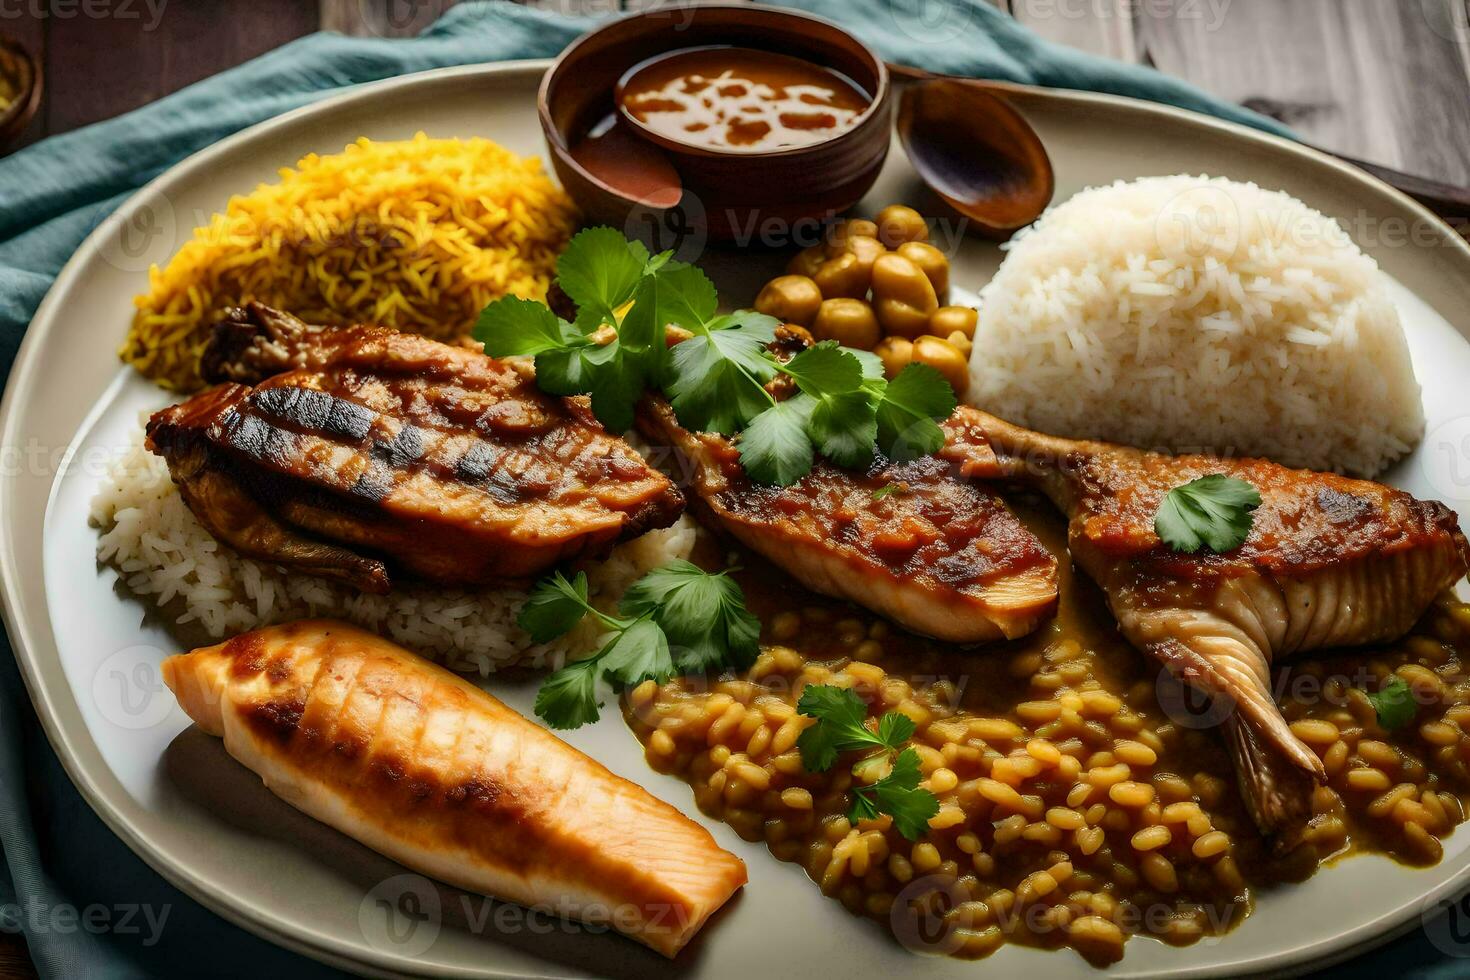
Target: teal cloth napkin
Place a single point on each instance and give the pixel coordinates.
(88, 906)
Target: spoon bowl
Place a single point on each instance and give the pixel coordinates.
(976, 152)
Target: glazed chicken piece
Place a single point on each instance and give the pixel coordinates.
(359, 450)
(433, 772)
(936, 555)
(1329, 562)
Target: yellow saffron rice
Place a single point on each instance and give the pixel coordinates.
(418, 235)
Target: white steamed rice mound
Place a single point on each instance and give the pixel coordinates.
(164, 555)
(1199, 314)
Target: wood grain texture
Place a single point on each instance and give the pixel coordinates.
(1387, 82)
(98, 68)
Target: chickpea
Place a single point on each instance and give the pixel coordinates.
(794, 299)
(943, 357)
(843, 275)
(895, 353)
(903, 297)
(961, 343)
(954, 319)
(867, 251)
(934, 264)
(807, 261)
(848, 321)
(839, 234)
(898, 224)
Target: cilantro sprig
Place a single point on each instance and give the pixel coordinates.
(1394, 704)
(1211, 512)
(842, 727)
(718, 379)
(676, 619)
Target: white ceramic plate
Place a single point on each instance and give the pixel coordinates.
(208, 825)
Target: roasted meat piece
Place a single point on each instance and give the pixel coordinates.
(1329, 562)
(934, 554)
(359, 451)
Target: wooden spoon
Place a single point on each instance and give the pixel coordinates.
(1449, 201)
(975, 151)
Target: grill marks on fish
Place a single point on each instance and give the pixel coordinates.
(1329, 562)
(937, 555)
(450, 464)
(440, 776)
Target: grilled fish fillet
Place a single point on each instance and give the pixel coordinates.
(349, 452)
(431, 771)
(937, 556)
(1330, 562)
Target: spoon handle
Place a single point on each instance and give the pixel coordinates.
(1449, 201)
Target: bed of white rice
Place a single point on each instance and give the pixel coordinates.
(165, 557)
(1191, 313)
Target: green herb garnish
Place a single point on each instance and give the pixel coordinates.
(676, 619)
(842, 727)
(1211, 512)
(898, 795)
(1394, 704)
(717, 379)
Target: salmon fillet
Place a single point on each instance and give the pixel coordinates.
(1329, 562)
(428, 769)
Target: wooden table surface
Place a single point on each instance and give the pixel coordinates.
(1382, 80)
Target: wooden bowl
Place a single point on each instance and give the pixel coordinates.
(17, 64)
(729, 196)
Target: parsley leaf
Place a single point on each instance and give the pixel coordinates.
(908, 408)
(895, 728)
(1394, 704)
(844, 428)
(638, 653)
(680, 619)
(898, 795)
(555, 606)
(573, 370)
(515, 327)
(842, 726)
(686, 296)
(716, 380)
(718, 376)
(842, 423)
(599, 269)
(568, 698)
(775, 448)
(1211, 512)
(703, 616)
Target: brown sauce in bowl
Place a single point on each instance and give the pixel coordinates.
(742, 99)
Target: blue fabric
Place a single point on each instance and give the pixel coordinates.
(57, 853)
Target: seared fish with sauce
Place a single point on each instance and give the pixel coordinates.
(1329, 562)
(936, 555)
(349, 452)
(433, 772)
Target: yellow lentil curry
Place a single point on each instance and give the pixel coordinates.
(1083, 798)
